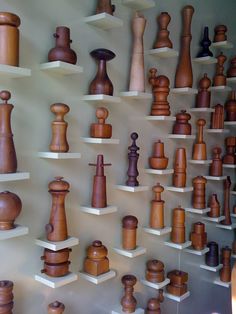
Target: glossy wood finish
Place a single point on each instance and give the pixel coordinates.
(157, 208)
(56, 308)
(56, 270)
(158, 160)
(226, 210)
(153, 305)
(225, 272)
(216, 167)
(205, 44)
(199, 192)
(178, 226)
(128, 301)
(214, 206)
(56, 257)
(219, 78)
(230, 157)
(199, 148)
(105, 6)
(129, 232)
(10, 208)
(212, 256)
(198, 236)
(217, 117)
(101, 129)
(232, 68)
(230, 107)
(182, 125)
(6, 296)
(203, 98)
(178, 282)
(155, 271)
(180, 166)
(163, 39)
(96, 262)
(133, 157)
(220, 33)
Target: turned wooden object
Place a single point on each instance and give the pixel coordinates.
(178, 226)
(198, 236)
(96, 262)
(56, 270)
(199, 148)
(129, 232)
(9, 38)
(230, 157)
(163, 39)
(184, 73)
(99, 194)
(205, 44)
(182, 125)
(230, 107)
(10, 208)
(225, 272)
(157, 208)
(128, 301)
(59, 126)
(155, 271)
(212, 256)
(233, 289)
(56, 257)
(158, 159)
(220, 33)
(56, 308)
(226, 209)
(105, 6)
(153, 305)
(180, 165)
(8, 160)
(234, 247)
(199, 192)
(160, 90)
(216, 167)
(214, 206)
(133, 157)
(219, 78)
(232, 68)
(101, 84)
(101, 129)
(56, 229)
(137, 71)
(6, 295)
(217, 117)
(178, 282)
(203, 98)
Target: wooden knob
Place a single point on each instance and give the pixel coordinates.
(7, 18)
(102, 114)
(204, 82)
(129, 280)
(58, 184)
(201, 122)
(155, 265)
(49, 228)
(130, 222)
(134, 136)
(5, 95)
(158, 188)
(216, 150)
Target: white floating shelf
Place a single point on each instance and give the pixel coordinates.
(222, 88)
(227, 227)
(158, 232)
(233, 215)
(99, 211)
(210, 268)
(104, 21)
(136, 95)
(160, 172)
(223, 44)
(164, 52)
(201, 110)
(56, 282)
(178, 246)
(14, 176)
(155, 285)
(230, 123)
(214, 178)
(229, 166)
(205, 60)
(184, 91)
(160, 118)
(139, 4)
(198, 211)
(214, 219)
(217, 131)
(98, 279)
(218, 282)
(196, 252)
(180, 190)
(93, 140)
(176, 298)
(10, 71)
(233, 192)
(200, 162)
(51, 155)
(101, 98)
(181, 136)
(56, 246)
(131, 253)
(60, 67)
(12, 233)
(118, 310)
(231, 79)
(133, 189)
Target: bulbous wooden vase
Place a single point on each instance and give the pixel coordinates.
(10, 208)
(56, 308)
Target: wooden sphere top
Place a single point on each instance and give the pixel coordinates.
(221, 28)
(183, 115)
(216, 151)
(134, 136)
(102, 54)
(158, 188)
(201, 122)
(6, 285)
(155, 265)
(129, 280)
(7, 18)
(199, 180)
(5, 95)
(97, 250)
(56, 305)
(130, 222)
(221, 58)
(204, 82)
(9, 200)
(58, 185)
(59, 108)
(164, 19)
(102, 113)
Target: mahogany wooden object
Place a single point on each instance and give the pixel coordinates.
(105, 6)
(234, 247)
(178, 226)
(232, 68)
(9, 38)
(128, 301)
(184, 73)
(182, 125)
(178, 282)
(205, 44)
(199, 148)
(220, 33)
(155, 271)
(160, 90)
(59, 126)
(6, 297)
(226, 209)
(62, 50)
(157, 208)
(180, 165)
(217, 117)
(101, 129)
(203, 97)
(199, 192)
(8, 160)
(153, 305)
(56, 270)
(219, 78)
(212, 256)
(10, 208)
(56, 308)
(56, 229)
(158, 160)
(56, 257)
(163, 39)
(133, 157)
(137, 71)
(96, 262)
(101, 84)
(216, 167)
(230, 107)
(129, 232)
(225, 272)
(230, 157)
(99, 195)
(198, 236)
(214, 206)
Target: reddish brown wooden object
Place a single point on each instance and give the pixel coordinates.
(153, 305)
(158, 159)
(219, 78)
(216, 167)
(101, 129)
(220, 33)
(56, 270)
(163, 39)
(230, 157)
(129, 232)
(180, 165)
(198, 236)
(157, 208)
(56, 308)
(128, 301)
(199, 192)
(217, 117)
(203, 98)
(182, 126)
(155, 271)
(232, 68)
(226, 210)
(212, 257)
(96, 262)
(133, 157)
(178, 282)
(6, 297)
(230, 107)
(234, 247)
(199, 148)
(225, 272)
(105, 6)
(215, 207)
(10, 208)
(56, 257)
(178, 225)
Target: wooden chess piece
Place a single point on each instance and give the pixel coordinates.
(230, 157)
(56, 308)
(217, 117)
(226, 211)
(199, 148)
(158, 159)
(6, 297)
(225, 272)
(219, 78)
(153, 305)
(56, 257)
(59, 126)
(163, 39)
(155, 271)
(220, 33)
(212, 256)
(205, 44)
(157, 208)
(199, 192)
(178, 282)
(8, 160)
(9, 38)
(101, 84)
(99, 196)
(230, 107)
(184, 73)
(216, 167)
(203, 98)
(10, 208)
(178, 226)
(101, 129)
(214, 206)
(62, 50)
(181, 125)
(198, 236)
(56, 270)
(56, 229)
(133, 157)
(96, 262)
(232, 68)
(105, 6)
(129, 232)
(160, 90)
(128, 301)
(180, 165)
(137, 72)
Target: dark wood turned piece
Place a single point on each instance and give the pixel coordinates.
(220, 33)
(178, 226)
(226, 209)
(128, 301)
(96, 262)
(230, 107)
(216, 167)
(129, 232)
(6, 296)
(181, 125)
(180, 166)
(10, 209)
(199, 148)
(217, 117)
(56, 270)
(205, 44)
(163, 39)
(105, 6)
(234, 247)
(101, 129)
(230, 157)
(153, 305)
(133, 157)
(155, 271)
(203, 97)
(212, 256)
(158, 159)
(157, 208)
(199, 192)
(198, 236)
(225, 272)
(56, 308)
(232, 68)
(178, 282)
(219, 78)
(56, 257)
(215, 207)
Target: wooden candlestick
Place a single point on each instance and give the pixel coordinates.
(101, 129)
(214, 206)
(163, 39)
(205, 44)
(226, 210)
(225, 272)
(6, 297)
(199, 192)
(182, 126)
(155, 271)
(178, 225)
(203, 98)
(96, 262)
(230, 157)
(105, 6)
(158, 159)
(133, 157)
(217, 117)
(230, 107)
(180, 165)
(153, 305)
(212, 256)
(216, 167)
(219, 78)
(157, 208)
(129, 232)
(198, 236)
(232, 68)
(220, 33)
(10, 208)
(178, 282)
(56, 308)
(199, 148)
(128, 301)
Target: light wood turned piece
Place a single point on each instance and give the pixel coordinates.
(10, 208)
(6, 297)
(129, 232)
(180, 166)
(198, 236)
(9, 38)
(226, 209)
(158, 159)
(160, 90)
(216, 167)
(178, 282)
(199, 192)
(178, 226)
(230, 107)
(101, 129)
(234, 247)
(199, 148)
(214, 206)
(128, 301)
(205, 44)
(181, 125)
(59, 126)
(56, 257)
(155, 271)
(56, 229)
(133, 157)
(56, 270)
(225, 272)
(56, 308)
(105, 6)
(163, 39)
(96, 262)
(220, 33)
(217, 117)
(203, 97)
(154, 304)
(230, 157)
(212, 256)
(219, 78)
(232, 68)
(157, 208)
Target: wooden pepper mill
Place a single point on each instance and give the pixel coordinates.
(157, 208)
(216, 167)
(163, 39)
(158, 159)
(181, 125)
(219, 78)
(184, 73)
(178, 282)
(128, 301)
(155, 271)
(220, 33)
(205, 44)
(9, 38)
(199, 148)
(180, 165)
(217, 117)
(8, 160)
(214, 206)
(101, 129)
(203, 98)
(59, 126)
(230, 157)
(99, 195)
(198, 236)
(232, 68)
(96, 262)
(226, 211)
(129, 232)
(160, 90)
(6, 297)
(212, 256)
(230, 107)
(153, 305)
(56, 308)
(10, 208)
(178, 225)
(105, 6)
(133, 157)
(57, 228)
(199, 192)
(225, 272)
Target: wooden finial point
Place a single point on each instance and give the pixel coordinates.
(5, 95)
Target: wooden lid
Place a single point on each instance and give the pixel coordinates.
(56, 305)
(155, 265)
(199, 227)
(220, 28)
(199, 180)
(129, 280)
(97, 250)
(183, 115)
(58, 185)
(7, 18)
(130, 222)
